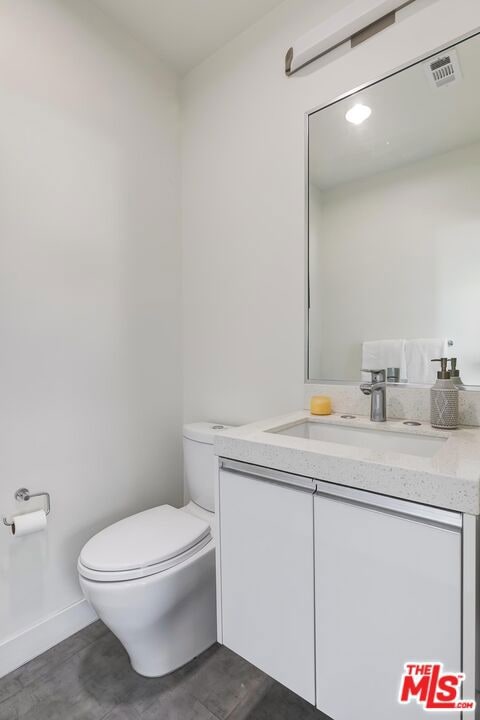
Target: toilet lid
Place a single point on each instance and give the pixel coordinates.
(148, 538)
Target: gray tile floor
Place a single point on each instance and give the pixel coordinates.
(88, 677)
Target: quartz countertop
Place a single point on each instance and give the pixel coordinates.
(450, 479)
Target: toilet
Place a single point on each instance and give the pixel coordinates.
(151, 576)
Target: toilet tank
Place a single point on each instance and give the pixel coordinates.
(199, 462)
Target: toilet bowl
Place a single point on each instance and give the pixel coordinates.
(151, 577)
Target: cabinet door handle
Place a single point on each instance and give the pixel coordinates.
(278, 477)
(391, 506)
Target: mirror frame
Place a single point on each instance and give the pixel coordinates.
(313, 111)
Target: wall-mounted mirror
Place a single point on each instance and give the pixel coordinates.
(394, 224)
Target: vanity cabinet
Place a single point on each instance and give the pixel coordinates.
(387, 591)
(267, 582)
(331, 590)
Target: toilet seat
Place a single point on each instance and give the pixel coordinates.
(143, 544)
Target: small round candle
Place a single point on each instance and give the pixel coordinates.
(320, 405)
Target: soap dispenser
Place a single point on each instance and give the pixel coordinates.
(455, 373)
(444, 399)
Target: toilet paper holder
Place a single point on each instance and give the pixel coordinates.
(24, 495)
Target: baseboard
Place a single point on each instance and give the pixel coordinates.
(35, 640)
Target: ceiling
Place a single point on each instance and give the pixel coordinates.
(184, 32)
(411, 120)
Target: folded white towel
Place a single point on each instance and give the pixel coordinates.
(382, 354)
(419, 354)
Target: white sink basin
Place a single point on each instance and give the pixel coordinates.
(383, 440)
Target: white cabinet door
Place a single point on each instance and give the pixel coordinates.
(388, 591)
(266, 543)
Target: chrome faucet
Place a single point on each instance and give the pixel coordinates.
(377, 388)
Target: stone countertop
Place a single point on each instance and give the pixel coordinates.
(450, 479)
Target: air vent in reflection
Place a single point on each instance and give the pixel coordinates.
(443, 69)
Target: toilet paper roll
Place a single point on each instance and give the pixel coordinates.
(29, 523)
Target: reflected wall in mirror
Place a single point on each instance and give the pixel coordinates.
(394, 224)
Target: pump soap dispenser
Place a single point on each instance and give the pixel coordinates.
(444, 399)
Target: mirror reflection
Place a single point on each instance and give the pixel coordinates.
(394, 225)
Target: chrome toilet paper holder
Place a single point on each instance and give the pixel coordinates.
(24, 495)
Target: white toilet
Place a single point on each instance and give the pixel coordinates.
(151, 576)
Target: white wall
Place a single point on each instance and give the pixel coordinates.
(396, 255)
(243, 200)
(90, 376)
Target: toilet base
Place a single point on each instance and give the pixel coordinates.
(164, 620)
(146, 672)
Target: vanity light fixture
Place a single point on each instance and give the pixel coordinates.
(358, 114)
(355, 23)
